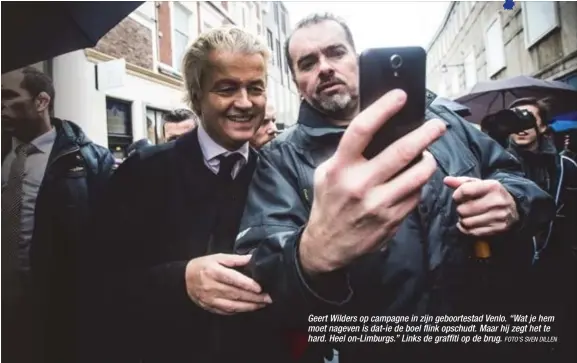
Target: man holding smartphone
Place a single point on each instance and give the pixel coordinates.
(399, 241)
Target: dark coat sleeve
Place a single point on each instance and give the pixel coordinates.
(128, 289)
(536, 208)
(275, 216)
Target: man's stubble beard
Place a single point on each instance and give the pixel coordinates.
(338, 106)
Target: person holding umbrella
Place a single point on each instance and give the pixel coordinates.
(491, 96)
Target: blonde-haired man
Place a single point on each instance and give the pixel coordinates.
(175, 211)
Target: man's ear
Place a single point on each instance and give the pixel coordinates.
(542, 127)
(42, 102)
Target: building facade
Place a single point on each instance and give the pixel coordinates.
(152, 41)
(480, 41)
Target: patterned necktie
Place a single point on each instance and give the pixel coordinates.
(12, 207)
(227, 164)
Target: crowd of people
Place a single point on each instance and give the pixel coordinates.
(217, 245)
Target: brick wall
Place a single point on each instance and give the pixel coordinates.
(129, 40)
(165, 41)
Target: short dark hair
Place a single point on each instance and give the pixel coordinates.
(178, 115)
(36, 82)
(137, 145)
(543, 106)
(313, 19)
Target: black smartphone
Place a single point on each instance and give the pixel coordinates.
(384, 69)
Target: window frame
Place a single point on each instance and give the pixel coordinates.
(122, 140)
(177, 64)
(529, 43)
(158, 127)
(495, 20)
(474, 68)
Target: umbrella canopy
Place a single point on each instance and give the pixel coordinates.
(563, 126)
(491, 96)
(456, 107)
(39, 30)
(572, 116)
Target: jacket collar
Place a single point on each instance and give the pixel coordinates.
(546, 147)
(315, 124)
(189, 148)
(69, 138)
(190, 161)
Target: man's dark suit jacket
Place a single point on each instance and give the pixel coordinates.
(160, 212)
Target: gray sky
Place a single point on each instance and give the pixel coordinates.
(380, 24)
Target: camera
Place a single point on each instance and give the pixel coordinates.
(396, 61)
(503, 123)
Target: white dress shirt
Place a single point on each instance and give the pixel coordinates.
(211, 151)
(35, 167)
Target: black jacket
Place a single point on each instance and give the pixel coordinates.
(557, 175)
(551, 287)
(424, 270)
(75, 176)
(160, 212)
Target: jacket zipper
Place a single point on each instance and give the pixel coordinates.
(71, 151)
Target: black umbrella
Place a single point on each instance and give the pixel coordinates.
(456, 107)
(489, 97)
(36, 31)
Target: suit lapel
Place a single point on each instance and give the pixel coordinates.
(190, 168)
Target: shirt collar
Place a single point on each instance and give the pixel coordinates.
(43, 142)
(211, 149)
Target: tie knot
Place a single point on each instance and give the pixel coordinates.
(227, 163)
(26, 149)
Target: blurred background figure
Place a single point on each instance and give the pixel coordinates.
(137, 145)
(131, 149)
(52, 177)
(178, 122)
(550, 285)
(267, 131)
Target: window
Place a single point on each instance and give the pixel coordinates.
(284, 22)
(271, 91)
(442, 89)
(495, 49)
(459, 16)
(119, 124)
(253, 22)
(118, 117)
(154, 125)
(270, 43)
(276, 12)
(286, 65)
(244, 17)
(455, 85)
(470, 70)
(181, 23)
(278, 55)
(539, 19)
